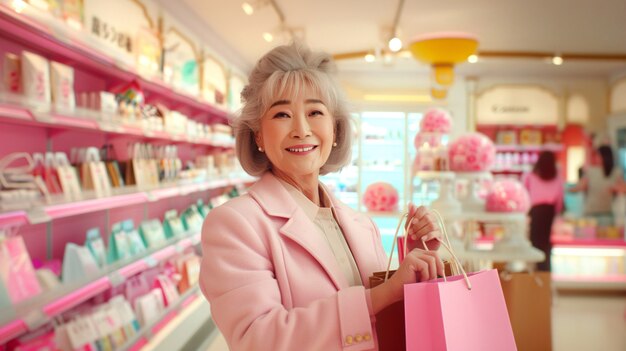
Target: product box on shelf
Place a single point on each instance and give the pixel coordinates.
(62, 80)
(17, 275)
(36, 77)
(12, 73)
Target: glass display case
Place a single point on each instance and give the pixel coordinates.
(383, 151)
(345, 183)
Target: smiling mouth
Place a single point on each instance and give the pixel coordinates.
(301, 149)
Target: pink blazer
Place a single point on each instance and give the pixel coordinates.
(273, 282)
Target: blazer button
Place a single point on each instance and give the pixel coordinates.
(349, 339)
(367, 337)
(358, 338)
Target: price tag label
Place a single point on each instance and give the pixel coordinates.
(35, 319)
(151, 261)
(116, 279)
(38, 215)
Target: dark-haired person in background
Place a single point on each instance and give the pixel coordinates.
(546, 198)
(600, 180)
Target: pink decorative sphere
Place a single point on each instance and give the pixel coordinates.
(436, 120)
(380, 196)
(507, 195)
(472, 152)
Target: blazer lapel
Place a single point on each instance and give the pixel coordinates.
(276, 201)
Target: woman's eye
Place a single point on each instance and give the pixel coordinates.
(281, 115)
(316, 113)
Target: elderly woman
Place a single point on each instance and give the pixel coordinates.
(286, 266)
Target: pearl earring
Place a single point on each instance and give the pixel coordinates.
(334, 144)
(260, 149)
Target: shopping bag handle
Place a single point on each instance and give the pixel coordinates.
(393, 244)
(446, 245)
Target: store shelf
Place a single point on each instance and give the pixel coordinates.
(75, 295)
(529, 148)
(176, 325)
(80, 119)
(65, 44)
(492, 216)
(382, 142)
(46, 213)
(607, 282)
(434, 175)
(576, 242)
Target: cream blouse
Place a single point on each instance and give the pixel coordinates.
(325, 220)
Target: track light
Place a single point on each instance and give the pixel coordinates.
(247, 8)
(557, 60)
(472, 59)
(18, 5)
(370, 57)
(268, 37)
(395, 44)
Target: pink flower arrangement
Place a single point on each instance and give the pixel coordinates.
(472, 152)
(436, 120)
(381, 196)
(507, 195)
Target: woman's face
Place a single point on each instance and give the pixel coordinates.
(297, 134)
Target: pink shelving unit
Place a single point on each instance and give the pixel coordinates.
(38, 37)
(97, 286)
(27, 127)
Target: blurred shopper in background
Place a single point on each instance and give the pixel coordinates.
(545, 188)
(600, 180)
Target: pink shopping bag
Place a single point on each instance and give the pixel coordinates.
(443, 315)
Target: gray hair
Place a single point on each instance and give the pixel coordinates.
(290, 69)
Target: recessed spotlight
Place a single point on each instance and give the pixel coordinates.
(268, 37)
(247, 8)
(557, 60)
(18, 5)
(370, 58)
(395, 44)
(472, 59)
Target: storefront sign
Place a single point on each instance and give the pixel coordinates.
(104, 21)
(517, 105)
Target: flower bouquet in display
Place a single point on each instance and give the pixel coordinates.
(381, 196)
(472, 156)
(431, 141)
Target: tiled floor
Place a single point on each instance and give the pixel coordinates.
(582, 323)
(579, 323)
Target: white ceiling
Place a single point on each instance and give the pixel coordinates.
(339, 26)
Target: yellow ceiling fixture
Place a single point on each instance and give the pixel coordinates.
(442, 51)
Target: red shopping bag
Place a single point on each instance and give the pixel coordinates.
(458, 314)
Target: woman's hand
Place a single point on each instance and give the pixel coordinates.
(417, 266)
(422, 225)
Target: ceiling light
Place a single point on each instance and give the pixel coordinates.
(18, 5)
(557, 60)
(442, 51)
(395, 44)
(472, 59)
(247, 8)
(370, 58)
(268, 37)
